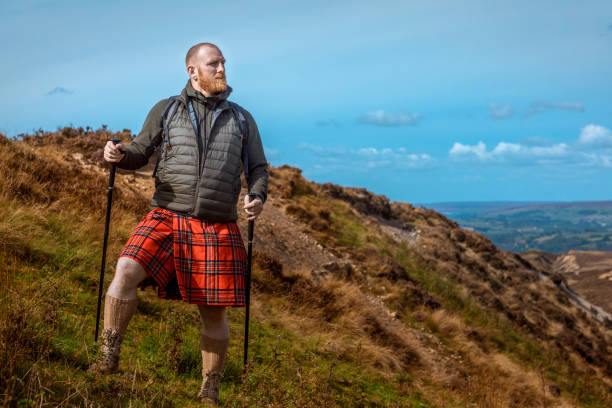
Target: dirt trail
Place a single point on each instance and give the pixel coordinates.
(282, 238)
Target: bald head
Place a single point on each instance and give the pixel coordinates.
(195, 50)
(206, 68)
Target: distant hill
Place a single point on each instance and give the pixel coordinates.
(589, 273)
(357, 301)
(553, 227)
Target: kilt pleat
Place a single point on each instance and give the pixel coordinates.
(189, 259)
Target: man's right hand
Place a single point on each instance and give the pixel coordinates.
(113, 152)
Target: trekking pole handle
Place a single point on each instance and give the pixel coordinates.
(251, 223)
(111, 179)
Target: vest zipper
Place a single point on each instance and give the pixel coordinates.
(194, 125)
(202, 141)
(216, 114)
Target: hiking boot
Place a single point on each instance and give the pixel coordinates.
(108, 362)
(209, 392)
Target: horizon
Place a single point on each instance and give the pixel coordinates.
(424, 103)
(515, 202)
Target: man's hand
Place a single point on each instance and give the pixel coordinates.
(113, 152)
(252, 206)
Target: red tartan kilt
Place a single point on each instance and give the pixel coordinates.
(189, 259)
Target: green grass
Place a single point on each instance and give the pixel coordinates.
(49, 277)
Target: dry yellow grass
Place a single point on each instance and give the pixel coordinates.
(429, 315)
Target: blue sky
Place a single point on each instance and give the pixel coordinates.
(420, 101)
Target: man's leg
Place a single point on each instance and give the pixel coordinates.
(214, 341)
(119, 306)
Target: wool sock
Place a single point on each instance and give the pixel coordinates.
(214, 352)
(118, 312)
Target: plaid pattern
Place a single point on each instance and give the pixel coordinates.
(189, 259)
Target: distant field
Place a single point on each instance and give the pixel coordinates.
(546, 226)
(590, 274)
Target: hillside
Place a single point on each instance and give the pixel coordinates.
(357, 301)
(545, 226)
(588, 273)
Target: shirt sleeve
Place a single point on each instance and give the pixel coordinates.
(137, 154)
(258, 166)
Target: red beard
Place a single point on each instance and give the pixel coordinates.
(212, 85)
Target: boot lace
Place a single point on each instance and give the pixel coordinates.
(210, 386)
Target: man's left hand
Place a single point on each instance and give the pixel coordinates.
(252, 206)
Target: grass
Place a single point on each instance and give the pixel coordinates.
(311, 344)
(348, 229)
(46, 341)
(499, 334)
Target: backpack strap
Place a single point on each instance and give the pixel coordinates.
(196, 126)
(167, 115)
(244, 133)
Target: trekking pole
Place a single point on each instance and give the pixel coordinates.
(111, 183)
(248, 292)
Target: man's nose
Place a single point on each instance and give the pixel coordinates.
(221, 67)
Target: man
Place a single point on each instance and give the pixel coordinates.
(189, 243)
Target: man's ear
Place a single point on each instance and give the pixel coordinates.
(191, 71)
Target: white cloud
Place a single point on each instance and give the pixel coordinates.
(375, 158)
(497, 111)
(341, 158)
(386, 119)
(505, 152)
(543, 106)
(460, 150)
(543, 151)
(323, 151)
(594, 136)
(599, 160)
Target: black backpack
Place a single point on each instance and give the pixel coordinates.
(168, 114)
